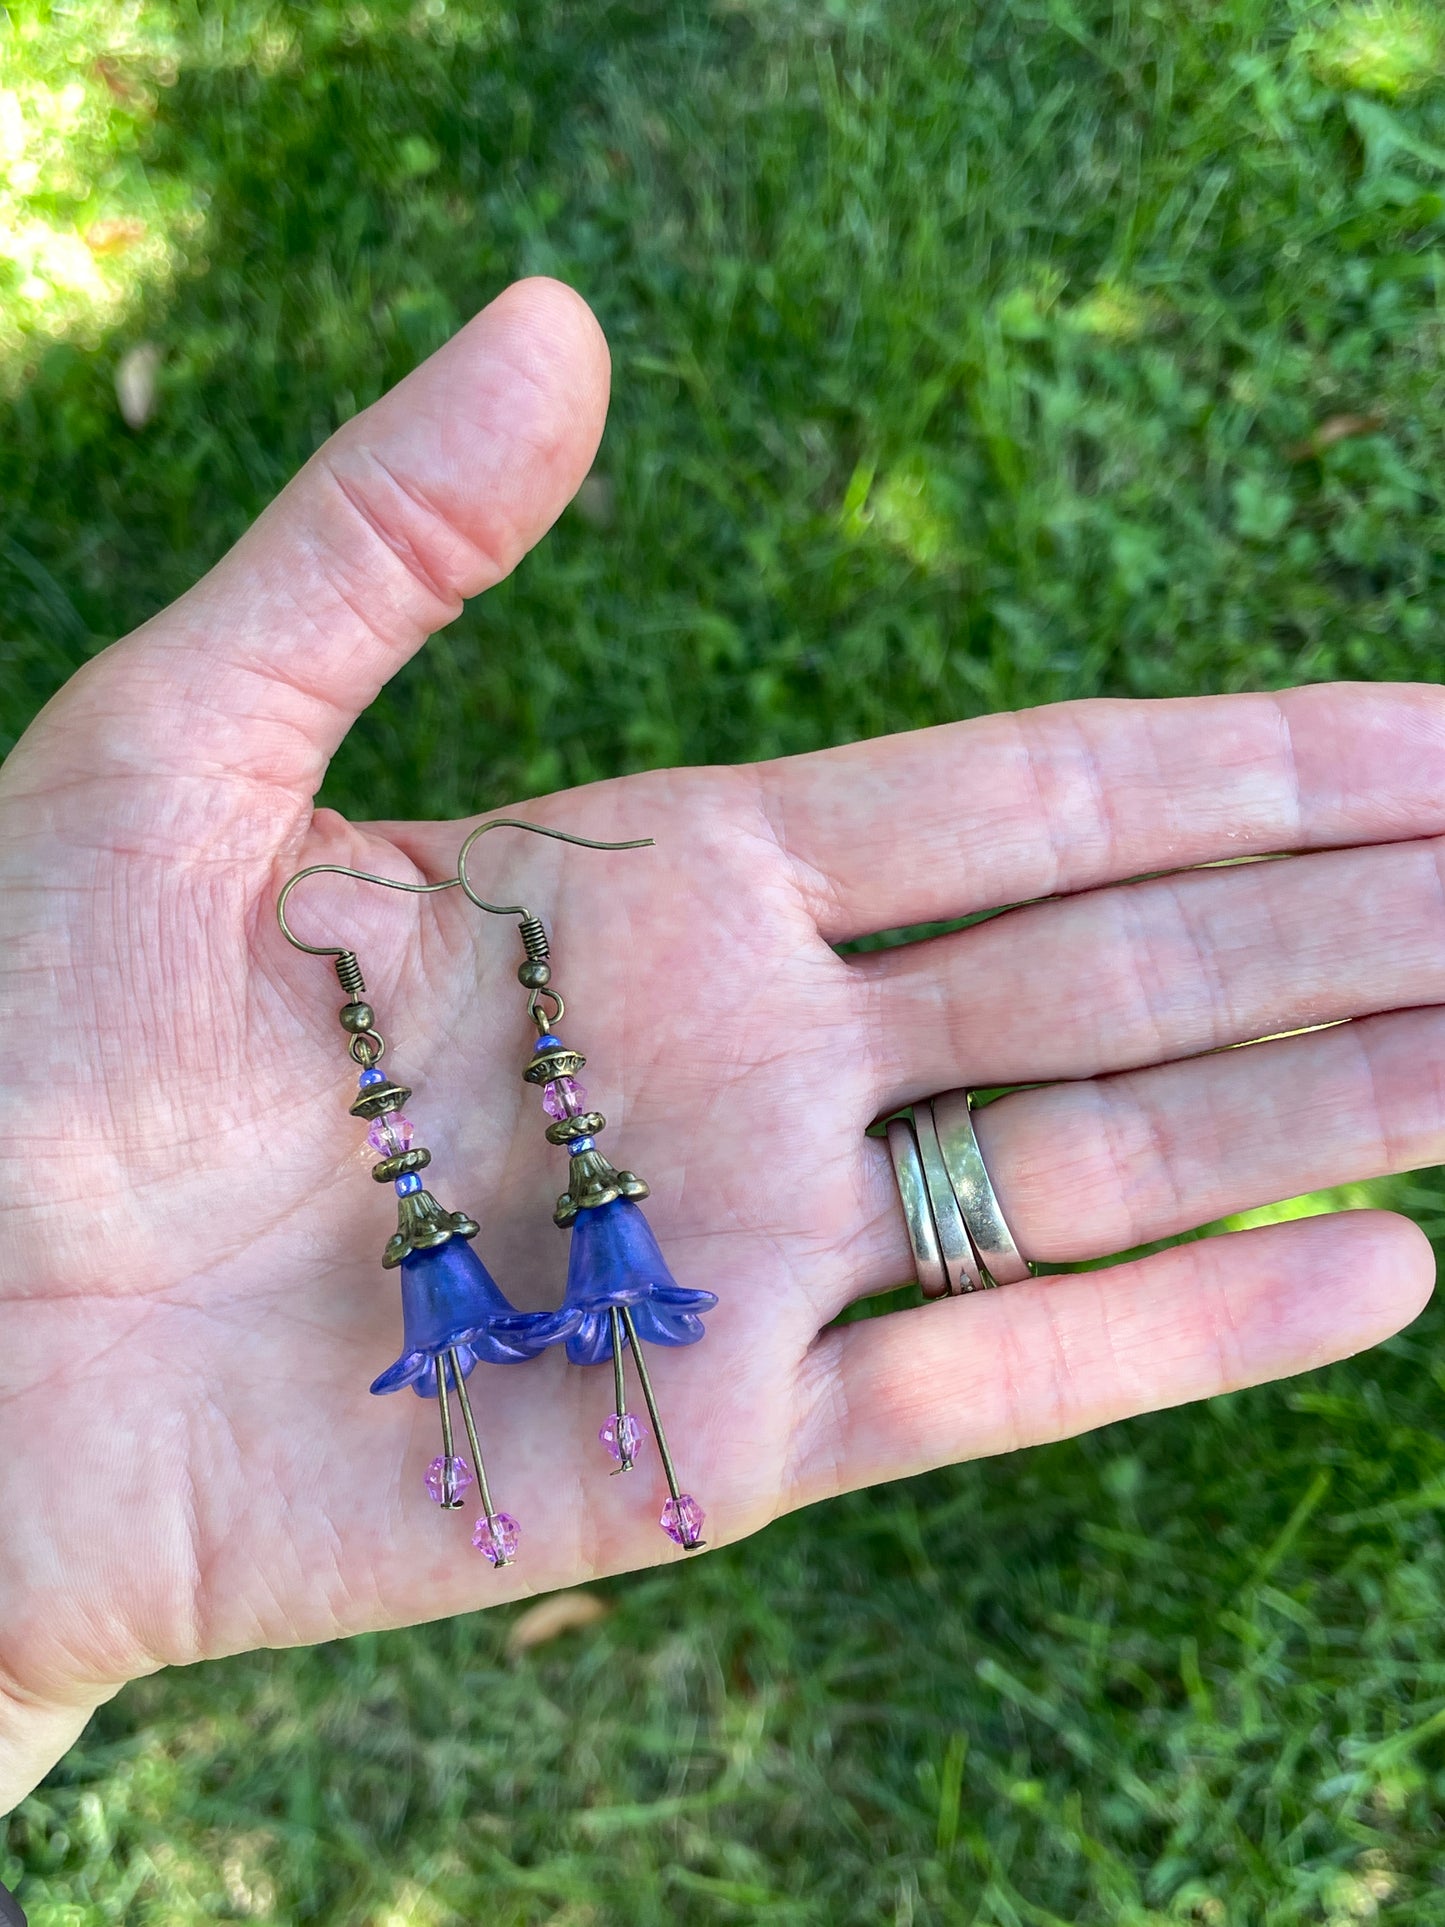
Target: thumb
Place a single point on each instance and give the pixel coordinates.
(431, 495)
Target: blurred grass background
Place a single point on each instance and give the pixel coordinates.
(967, 356)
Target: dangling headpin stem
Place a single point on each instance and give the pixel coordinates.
(621, 1434)
(685, 1512)
(496, 1533)
(619, 1288)
(450, 1495)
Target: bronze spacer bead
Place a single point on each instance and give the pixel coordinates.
(357, 1016)
(534, 974)
(400, 1163)
(588, 1124)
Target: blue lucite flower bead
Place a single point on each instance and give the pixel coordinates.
(449, 1298)
(615, 1261)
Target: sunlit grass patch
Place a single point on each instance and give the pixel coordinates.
(92, 219)
(84, 224)
(906, 507)
(1115, 312)
(1379, 1194)
(1390, 47)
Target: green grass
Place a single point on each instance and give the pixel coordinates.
(966, 355)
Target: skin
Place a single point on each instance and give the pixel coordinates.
(192, 1300)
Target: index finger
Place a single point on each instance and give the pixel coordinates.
(970, 816)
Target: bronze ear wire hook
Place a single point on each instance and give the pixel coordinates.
(537, 829)
(535, 972)
(447, 883)
(348, 970)
(534, 936)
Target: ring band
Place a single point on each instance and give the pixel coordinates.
(960, 1260)
(956, 1227)
(917, 1211)
(977, 1200)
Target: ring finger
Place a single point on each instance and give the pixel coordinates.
(1101, 1165)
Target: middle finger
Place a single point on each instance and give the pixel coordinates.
(1148, 972)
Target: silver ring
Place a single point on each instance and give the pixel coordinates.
(973, 1189)
(960, 1260)
(917, 1211)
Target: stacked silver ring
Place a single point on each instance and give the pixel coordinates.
(960, 1239)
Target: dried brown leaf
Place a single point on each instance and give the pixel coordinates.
(1334, 428)
(560, 1612)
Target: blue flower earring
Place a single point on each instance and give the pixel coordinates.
(454, 1315)
(620, 1292)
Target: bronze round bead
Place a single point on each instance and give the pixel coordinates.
(357, 1017)
(534, 974)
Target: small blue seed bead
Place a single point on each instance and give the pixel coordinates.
(407, 1183)
(580, 1144)
(369, 1078)
(546, 1042)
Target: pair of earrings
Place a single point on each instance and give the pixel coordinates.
(619, 1293)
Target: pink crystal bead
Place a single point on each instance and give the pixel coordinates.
(496, 1538)
(390, 1134)
(622, 1435)
(448, 1479)
(563, 1097)
(682, 1519)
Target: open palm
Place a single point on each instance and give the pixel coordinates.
(191, 1303)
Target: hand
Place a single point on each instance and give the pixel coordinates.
(191, 1303)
